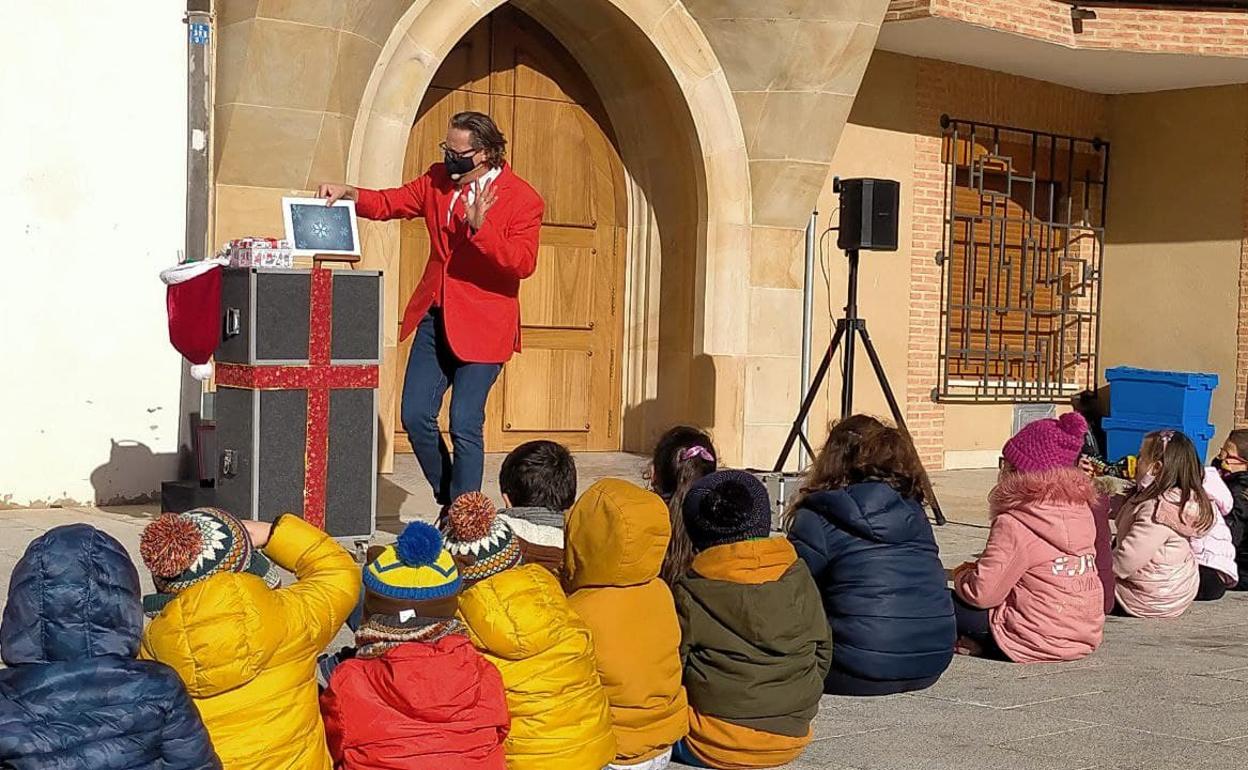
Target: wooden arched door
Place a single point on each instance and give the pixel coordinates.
(565, 385)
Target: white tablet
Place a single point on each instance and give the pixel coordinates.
(315, 229)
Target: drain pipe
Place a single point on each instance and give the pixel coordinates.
(808, 317)
(199, 69)
(198, 125)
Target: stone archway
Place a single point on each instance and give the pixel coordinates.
(682, 143)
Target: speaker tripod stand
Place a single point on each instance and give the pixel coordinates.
(848, 329)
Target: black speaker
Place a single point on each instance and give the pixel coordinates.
(868, 214)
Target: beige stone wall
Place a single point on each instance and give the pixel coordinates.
(794, 67)
(1175, 234)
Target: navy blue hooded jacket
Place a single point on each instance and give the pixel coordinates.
(874, 557)
(74, 696)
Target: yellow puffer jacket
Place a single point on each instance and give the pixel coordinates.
(521, 622)
(248, 653)
(616, 537)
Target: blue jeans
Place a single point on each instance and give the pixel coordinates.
(431, 369)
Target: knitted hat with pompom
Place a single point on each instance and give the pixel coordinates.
(184, 549)
(416, 568)
(481, 542)
(1046, 444)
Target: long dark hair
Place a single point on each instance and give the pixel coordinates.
(1180, 469)
(682, 456)
(861, 448)
(485, 135)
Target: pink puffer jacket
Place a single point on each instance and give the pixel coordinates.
(1037, 575)
(1216, 550)
(1153, 561)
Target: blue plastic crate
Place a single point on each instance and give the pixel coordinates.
(1123, 436)
(1171, 399)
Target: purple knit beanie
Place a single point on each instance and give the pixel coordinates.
(1046, 444)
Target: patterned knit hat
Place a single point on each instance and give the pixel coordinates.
(482, 544)
(415, 569)
(727, 507)
(1046, 444)
(185, 549)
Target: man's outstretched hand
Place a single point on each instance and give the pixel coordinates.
(484, 201)
(336, 192)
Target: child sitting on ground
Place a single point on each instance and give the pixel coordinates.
(1215, 550)
(682, 456)
(616, 538)
(1102, 512)
(73, 696)
(520, 620)
(754, 639)
(860, 527)
(1233, 467)
(1033, 595)
(1153, 560)
(246, 650)
(538, 482)
(416, 694)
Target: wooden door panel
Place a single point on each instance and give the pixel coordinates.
(467, 66)
(561, 292)
(547, 131)
(548, 390)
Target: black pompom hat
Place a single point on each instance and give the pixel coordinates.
(727, 507)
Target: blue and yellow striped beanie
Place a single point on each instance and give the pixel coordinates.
(416, 568)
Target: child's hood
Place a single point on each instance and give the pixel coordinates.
(1219, 494)
(1184, 519)
(73, 595)
(220, 634)
(516, 614)
(872, 511)
(430, 682)
(617, 535)
(1055, 505)
(754, 588)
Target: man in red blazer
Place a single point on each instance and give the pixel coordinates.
(484, 223)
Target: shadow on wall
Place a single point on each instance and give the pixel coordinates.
(133, 474)
(685, 397)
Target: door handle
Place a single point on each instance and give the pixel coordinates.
(233, 322)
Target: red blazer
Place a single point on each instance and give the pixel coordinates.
(475, 276)
(438, 706)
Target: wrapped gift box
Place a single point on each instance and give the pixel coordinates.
(259, 252)
(296, 405)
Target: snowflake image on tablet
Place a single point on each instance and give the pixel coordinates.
(321, 228)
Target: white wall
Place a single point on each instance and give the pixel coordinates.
(93, 172)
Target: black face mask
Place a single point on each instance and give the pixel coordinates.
(457, 165)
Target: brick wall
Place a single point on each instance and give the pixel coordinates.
(1214, 33)
(1241, 350)
(900, 10)
(926, 418)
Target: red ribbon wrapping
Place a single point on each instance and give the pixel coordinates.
(318, 377)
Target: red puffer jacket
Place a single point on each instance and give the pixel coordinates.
(436, 706)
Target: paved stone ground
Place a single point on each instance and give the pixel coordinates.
(1158, 695)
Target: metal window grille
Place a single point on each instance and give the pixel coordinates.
(1024, 231)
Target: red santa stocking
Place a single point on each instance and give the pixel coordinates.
(194, 299)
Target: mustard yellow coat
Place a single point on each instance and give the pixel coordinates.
(616, 536)
(521, 622)
(247, 653)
